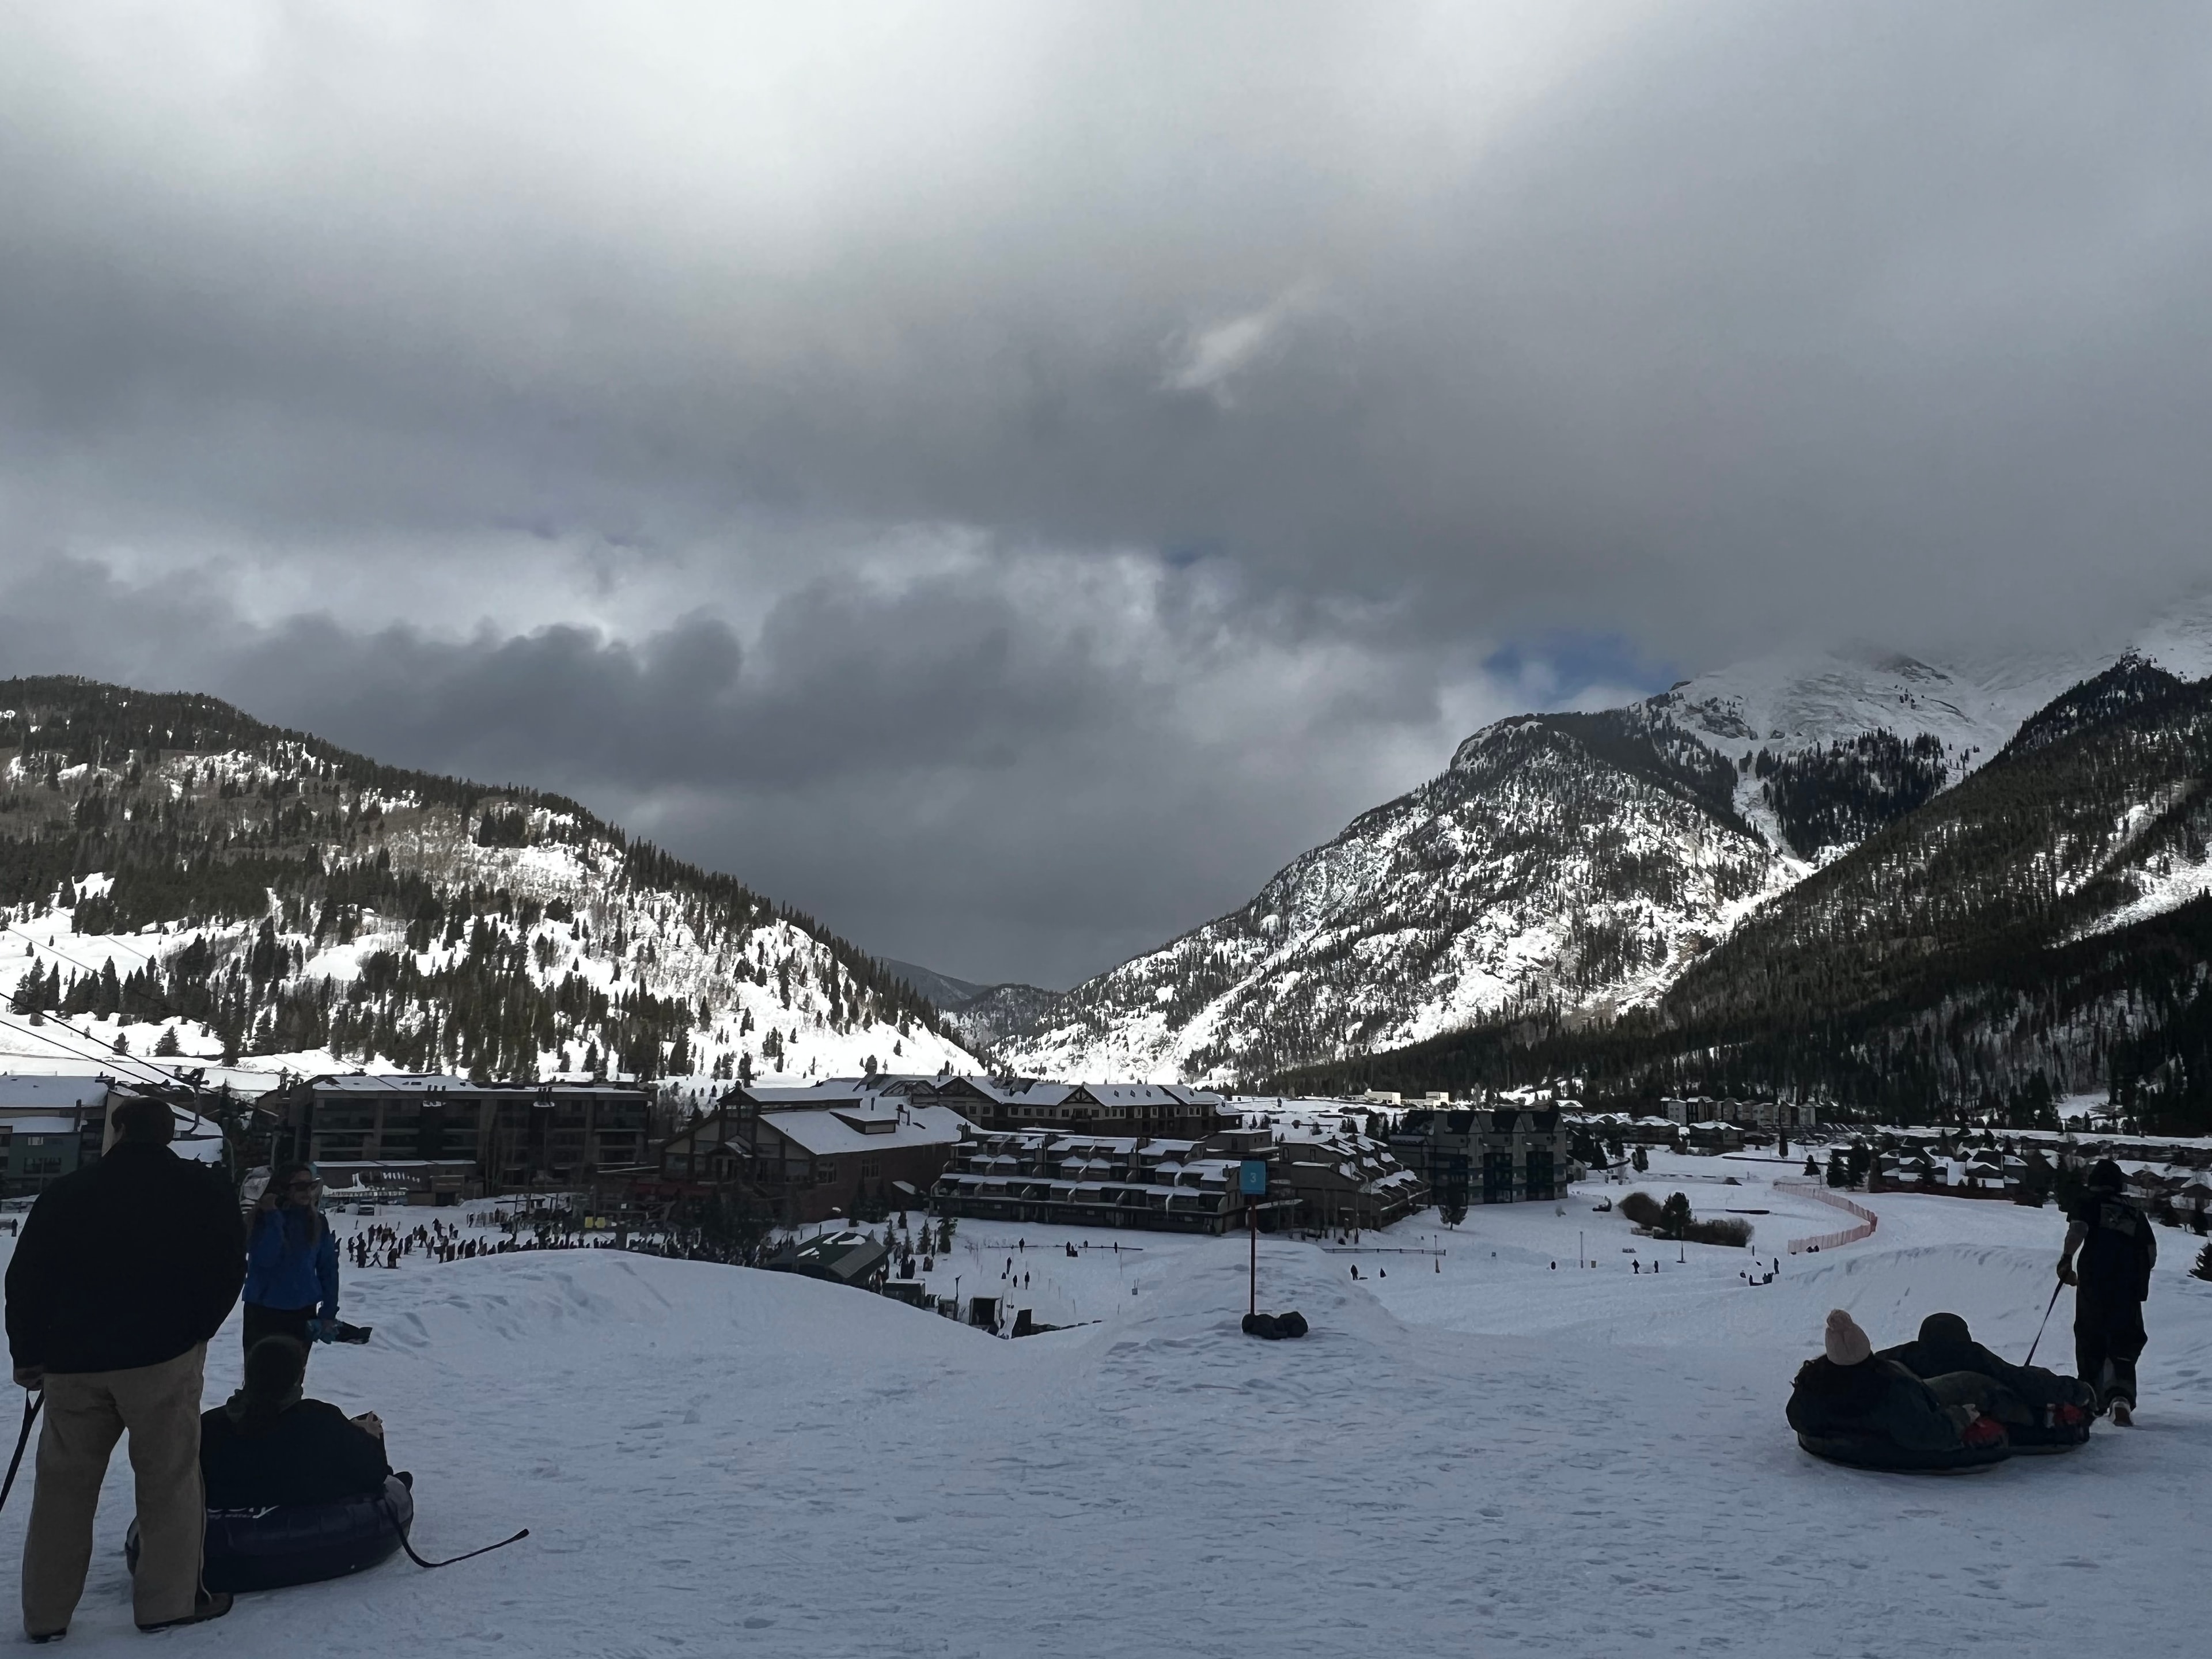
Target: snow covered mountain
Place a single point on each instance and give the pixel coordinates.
(981, 1016)
(180, 879)
(1570, 866)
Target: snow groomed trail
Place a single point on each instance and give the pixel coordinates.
(1502, 1457)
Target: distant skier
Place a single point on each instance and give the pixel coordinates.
(2118, 1252)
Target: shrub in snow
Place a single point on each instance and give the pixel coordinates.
(1722, 1229)
(1641, 1209)
(2203, 1267)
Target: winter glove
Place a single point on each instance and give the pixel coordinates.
(1984, 1431)
(322, 1330)
(2067, 1275)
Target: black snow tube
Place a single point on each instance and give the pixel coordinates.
(1874, 1451)
(2046, 1435)
(300, 1543)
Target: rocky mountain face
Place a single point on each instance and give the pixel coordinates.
(2043, 929)
(981, 1016)
(1576, 873)
(179, 879)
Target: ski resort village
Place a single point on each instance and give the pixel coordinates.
(1102, 831)
(708, 1284)
(789, 1306)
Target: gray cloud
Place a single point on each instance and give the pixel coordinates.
(874, 448)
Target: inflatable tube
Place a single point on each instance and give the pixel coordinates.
(2046, 1436)
(1867, 1451)
(300, 1543)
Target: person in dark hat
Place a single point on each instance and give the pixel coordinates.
(2116, 1250)
(1946, 1346)
(1849, 1390)
(267, 1446)
(126, 1267)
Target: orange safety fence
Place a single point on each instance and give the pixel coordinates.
(1868, 1220)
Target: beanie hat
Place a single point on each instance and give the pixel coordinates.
(2105, 1177)
(1945, 1328)
(1846, 1343)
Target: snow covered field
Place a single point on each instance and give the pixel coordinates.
(1496, 1457)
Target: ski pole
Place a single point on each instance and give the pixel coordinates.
(2047, 1307)
(32, 1402)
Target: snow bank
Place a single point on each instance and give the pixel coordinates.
(1499, 1457)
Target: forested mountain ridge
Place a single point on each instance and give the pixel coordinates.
(1569, 869)
(1556, 861)
(198, 879)
(2042, 929)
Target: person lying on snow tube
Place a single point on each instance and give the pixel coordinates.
(297, 1490)
(2041, 1410)
(1851, 1407)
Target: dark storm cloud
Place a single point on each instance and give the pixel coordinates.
(717, 410)
(927, 769)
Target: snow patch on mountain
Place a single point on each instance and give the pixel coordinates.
(1570, 865)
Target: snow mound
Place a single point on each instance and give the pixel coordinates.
(716, 1459)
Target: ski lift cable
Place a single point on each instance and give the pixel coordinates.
(169, 1008)
(145, 1073)
(147, 958)
(149, 962)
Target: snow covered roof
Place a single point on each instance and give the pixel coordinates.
(45, 1093)
(1148, 1094)
(408, 1083)
(827, 1134)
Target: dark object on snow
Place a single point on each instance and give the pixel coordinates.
(1861, 1451)
(355, 1335)
(264, 1549)
(1293, 1323)
(33, 1403)
(2041, 1410)
(1876, 1414)
(1273, 1328)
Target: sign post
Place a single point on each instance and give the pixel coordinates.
(1252, 1181)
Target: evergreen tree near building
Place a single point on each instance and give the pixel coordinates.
(166, 1046)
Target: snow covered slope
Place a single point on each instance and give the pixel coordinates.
(183, 880)
(1501, 1458)
(1574, 864)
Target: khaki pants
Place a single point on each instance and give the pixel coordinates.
(87, 1412)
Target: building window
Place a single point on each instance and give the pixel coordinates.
(826, 1171)
(872, 1168)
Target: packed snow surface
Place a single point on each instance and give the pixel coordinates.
(1475, 1453)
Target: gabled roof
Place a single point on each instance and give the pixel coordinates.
(48, 1094)
(827, 1134)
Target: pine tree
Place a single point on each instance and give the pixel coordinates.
(167, 1045)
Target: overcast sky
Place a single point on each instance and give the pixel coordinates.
(1004, 477)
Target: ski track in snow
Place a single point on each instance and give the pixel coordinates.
(1501, 1457)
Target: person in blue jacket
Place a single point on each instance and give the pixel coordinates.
(291, 1263)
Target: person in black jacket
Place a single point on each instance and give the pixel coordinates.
(267, 1446)
(1945, 1346)
(2118, 1249)
(125, 1270)
(1848, 1392)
